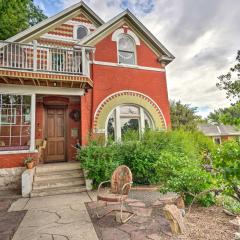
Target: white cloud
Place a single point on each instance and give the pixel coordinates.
(203, 35)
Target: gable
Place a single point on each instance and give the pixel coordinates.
(59, 23)
(107, 50)
(128, 18)
(66, 32)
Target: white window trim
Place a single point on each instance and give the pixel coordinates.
(118, 134)
(32, 126)
(76, 28)
(135, 51)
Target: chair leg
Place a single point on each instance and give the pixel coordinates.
(121, 214)
(98, 216)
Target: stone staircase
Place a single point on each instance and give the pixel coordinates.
(58, 178)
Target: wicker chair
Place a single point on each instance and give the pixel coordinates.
(121, 183)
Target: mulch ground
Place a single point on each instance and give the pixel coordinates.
(9, 221)
(201, 223)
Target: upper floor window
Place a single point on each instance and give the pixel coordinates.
(81, 32)
(126, 50)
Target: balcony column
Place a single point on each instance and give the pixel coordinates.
(34, 55)
(84, 62)
(33, 122)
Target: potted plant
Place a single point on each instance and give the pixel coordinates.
(29, 162)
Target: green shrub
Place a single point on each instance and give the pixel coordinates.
(229, 204)
(227, 163)
(181, 174)
(141, 160)
(100, 161)
(171, 159)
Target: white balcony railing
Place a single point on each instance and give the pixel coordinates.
(33, 57)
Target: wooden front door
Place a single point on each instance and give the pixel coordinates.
(55, 134)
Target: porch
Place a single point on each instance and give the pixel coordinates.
(28, 119)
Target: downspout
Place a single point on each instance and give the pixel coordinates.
(92, 77)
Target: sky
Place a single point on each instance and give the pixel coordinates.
(203, 35)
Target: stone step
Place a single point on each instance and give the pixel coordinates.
(56, 167)
(57, 175)
(48, 184)
(57, 191)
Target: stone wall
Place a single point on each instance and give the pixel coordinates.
(10, 178)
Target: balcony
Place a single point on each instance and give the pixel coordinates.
(32, 64)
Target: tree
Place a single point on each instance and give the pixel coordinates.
(16, 16)
(183, 116)
(230, 82)
(230, 115)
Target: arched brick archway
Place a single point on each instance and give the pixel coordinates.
(127, 97)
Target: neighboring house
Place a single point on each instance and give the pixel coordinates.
(219, 133)
(73, 74)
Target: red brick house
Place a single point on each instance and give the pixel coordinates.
(73, 74)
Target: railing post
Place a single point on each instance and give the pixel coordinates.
(34, 55)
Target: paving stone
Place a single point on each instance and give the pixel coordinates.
(139, 219)
(97, 204)
(114, 234)
(131, 200)
(68, 219)
(125, 216)
(138, 235)
(18, 205)
(128, 228)
(154, 237)
(144, 212)
(137, 204)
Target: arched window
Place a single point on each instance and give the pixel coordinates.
(81, 32)
(127, 117)
(126, 49)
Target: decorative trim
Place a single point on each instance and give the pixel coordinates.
(111, 64)
(8, 88)
(49, 22)
(17, 152)
(128, 97)
(134, 36)
(76, 28)
(115, 35)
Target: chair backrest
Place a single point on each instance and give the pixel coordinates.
(121, 176)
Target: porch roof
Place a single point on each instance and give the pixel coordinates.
(44, 79)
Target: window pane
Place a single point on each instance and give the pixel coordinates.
(126, 57)
(129, 124)
(147, 121)
(129, 110)
(81, 32)
(15, 121)
(111, 127)
(126, 44)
